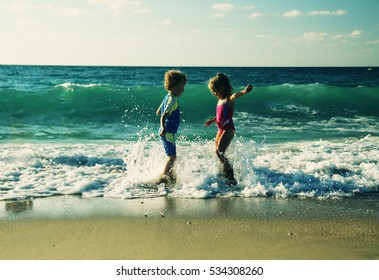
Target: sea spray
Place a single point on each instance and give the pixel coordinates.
(317, 169)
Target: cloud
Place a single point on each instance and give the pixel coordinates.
(166, 21)
(353, 35)
(185, 38)
(293, 13)
(218, 15)
(375, 42)
(20, 7)
(263, 36)
(73, 12)
(320, 36)
(117, 7)
(223, 7)
(29, 23)
(326, 13)
(314, 36)
(138, 7)
(256, 15)
(230, 38)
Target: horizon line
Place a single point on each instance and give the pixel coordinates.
(194, 66)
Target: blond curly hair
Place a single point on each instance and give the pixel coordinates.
(173, 78)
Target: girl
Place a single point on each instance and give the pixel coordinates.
(221, 87)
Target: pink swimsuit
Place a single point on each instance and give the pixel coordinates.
(224, 117)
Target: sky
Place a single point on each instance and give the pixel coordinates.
(190, 32)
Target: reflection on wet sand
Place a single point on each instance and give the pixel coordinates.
(19, 206)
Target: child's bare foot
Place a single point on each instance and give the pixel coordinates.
(230, 178)
(165, 179)
(232, 182)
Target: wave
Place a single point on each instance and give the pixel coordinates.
(316, 99)
(110, 103)
(314, 169)
(105, 111)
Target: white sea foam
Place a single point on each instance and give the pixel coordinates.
(69, 86)
(317, 169)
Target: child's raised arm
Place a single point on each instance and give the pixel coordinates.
(236, 95)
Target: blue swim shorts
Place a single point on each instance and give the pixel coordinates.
(168, 141)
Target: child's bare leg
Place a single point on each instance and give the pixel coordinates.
(226, 167)
(168, 170)
(222, 143)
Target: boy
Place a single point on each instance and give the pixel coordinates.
(174, 83)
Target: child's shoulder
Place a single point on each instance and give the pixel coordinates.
(221, 102)
(226, 101)
(172, 97)
(230, 101)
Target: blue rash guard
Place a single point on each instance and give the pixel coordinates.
(170, 106)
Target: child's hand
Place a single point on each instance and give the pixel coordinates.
(248, 88)
(208, 123)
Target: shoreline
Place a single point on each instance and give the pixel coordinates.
(73, 228)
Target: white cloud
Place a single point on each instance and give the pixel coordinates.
(222, 6)
(320, 36)
(355, 34)
(314, 36)
(218, 15)
(117, 7)
(262, 36)
(325, 13)
(293, 13)
(29, 23)
(256, 15)
(138, 7)
(74, 12)
(186, 38)
(375, 42)
(98, 2)
(137, 38)
(338, 36)
(20, 7)
(166, 22)
(230, 38)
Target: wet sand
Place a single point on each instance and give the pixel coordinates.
(72, 228)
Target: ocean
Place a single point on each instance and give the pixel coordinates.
(92, 131)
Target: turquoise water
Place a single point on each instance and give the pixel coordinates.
(86, 103)
(92, 131)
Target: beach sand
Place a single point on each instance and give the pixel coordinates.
(73, 228)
